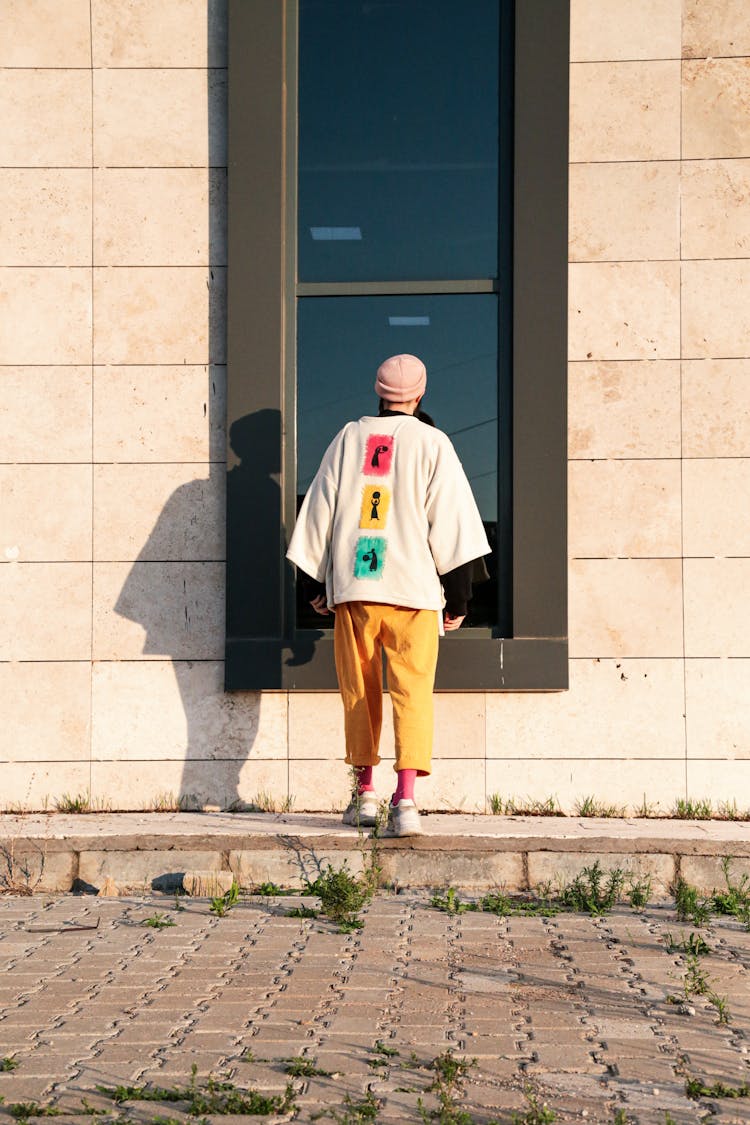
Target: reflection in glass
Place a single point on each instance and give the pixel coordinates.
(341, 342)
(398, 131)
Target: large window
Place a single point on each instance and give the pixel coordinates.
(397, 182)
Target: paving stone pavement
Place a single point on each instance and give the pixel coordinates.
(572, 1010)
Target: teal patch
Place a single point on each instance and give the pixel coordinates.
(370, 557)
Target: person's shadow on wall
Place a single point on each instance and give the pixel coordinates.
(175, 592)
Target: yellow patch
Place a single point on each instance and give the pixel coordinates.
(375, 502)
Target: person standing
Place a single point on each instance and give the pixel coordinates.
(387, 538)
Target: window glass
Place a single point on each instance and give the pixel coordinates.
(342, 340)
(398, 129)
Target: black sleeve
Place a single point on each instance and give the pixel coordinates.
(310, 588)
(457, 587)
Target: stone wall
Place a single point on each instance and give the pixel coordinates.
(112, 248)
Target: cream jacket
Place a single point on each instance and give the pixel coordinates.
(389, 511)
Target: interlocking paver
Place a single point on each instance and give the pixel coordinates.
(574, 1006)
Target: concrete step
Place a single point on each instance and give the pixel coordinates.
(153, 851)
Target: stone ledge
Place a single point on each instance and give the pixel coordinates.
(153, 851)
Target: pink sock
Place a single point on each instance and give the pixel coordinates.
(404, 786)
(364, 779)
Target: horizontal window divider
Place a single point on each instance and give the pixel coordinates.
(394, 288)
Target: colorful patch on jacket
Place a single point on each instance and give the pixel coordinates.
(376, 500)
(378, 455)
(370, 557)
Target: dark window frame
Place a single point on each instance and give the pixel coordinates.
(262, 648)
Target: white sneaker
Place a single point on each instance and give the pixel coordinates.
(362, 811)
(403, 819)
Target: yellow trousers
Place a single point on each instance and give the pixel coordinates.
(409, 637)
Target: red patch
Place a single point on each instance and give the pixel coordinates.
(378, 455)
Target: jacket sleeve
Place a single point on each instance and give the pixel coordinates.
(310, 544)
(456, 532)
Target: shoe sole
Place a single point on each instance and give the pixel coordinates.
(360, 821)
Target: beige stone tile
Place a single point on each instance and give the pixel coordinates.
(157, 118)
(45, 33)
(715, 108)
(45, 611)
(316, 726)
(625, 212)
(45, 414)
(627, 409)
(716, 309)
(46, 513)
(46, 117)
(149, 315)
(47, 217)
(718, 708)
(157, 609)
(716, 408)
(35, 786)
(624, 111)
(325, 786)
(717, 609)
(145, 784)
(719, 781)
(624, 509)
(158, 512)
(613, 709)
(624, 310)
(186, 703)
(135, 417)
(46, 316)
(715, 28)
(625, 607)
(44, 711)
(604, 30)
(613, 781)
(715, 221)
(459, 725)
(716, 499)
(455, 785)
(172, 33)
(159, 216)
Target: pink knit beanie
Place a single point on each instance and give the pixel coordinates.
(401, 378)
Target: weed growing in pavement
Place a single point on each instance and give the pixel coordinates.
(647, 809)
(352, 1113)
(735, 900)
(536, 1114)
(20, 874)
(591, 806)
(301, 1067)
(222, 904)
(638, 890)
(722, 1008)
(696, 982)
(91, 1110)
(22, 1111)
(686, 809)
(8, 1063)
(213, 1098)
(533, 806)
(450, 903)
(160, 921)
(341, 895)
(693, 944)
(495, 802)
(694, 1088)
(447, 1086)
(382, 1055)
(272, 890)
(592, 891)
(621, 1118)
(505, 907)
(266, 802)
(302, 912)
(688, 908)
(81, 803)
